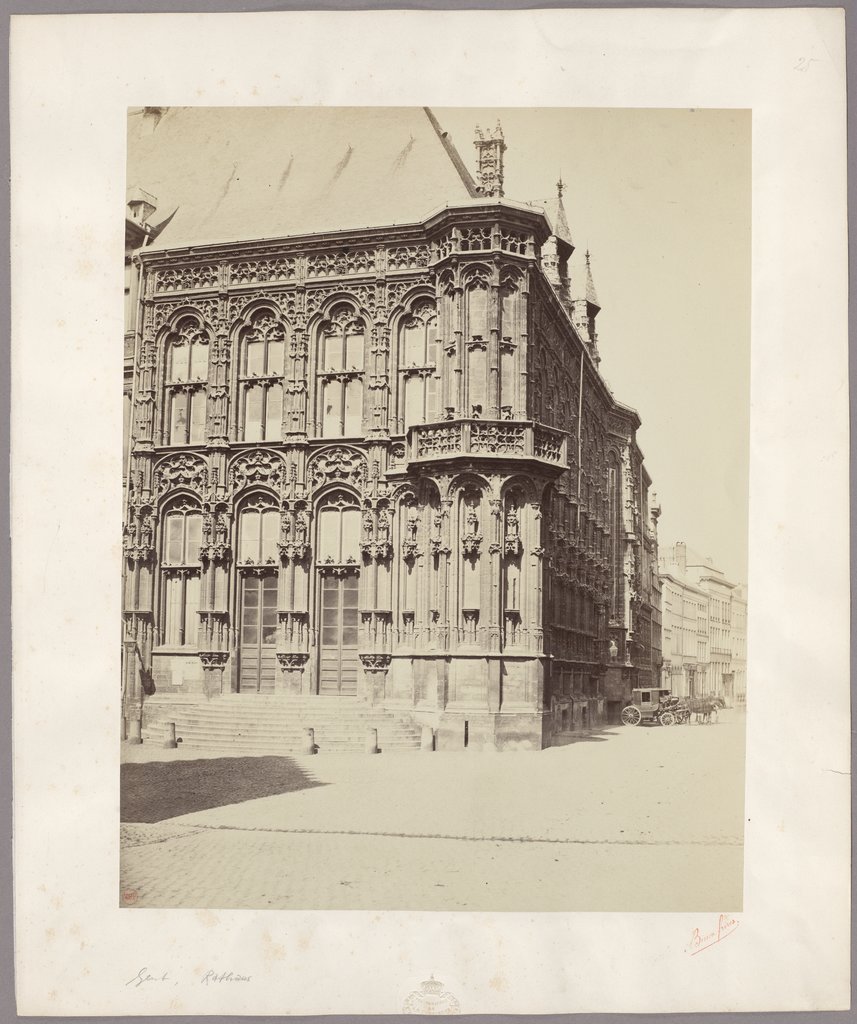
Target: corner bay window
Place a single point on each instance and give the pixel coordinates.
(182, 533)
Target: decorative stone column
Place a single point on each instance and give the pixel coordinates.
(292, 664)
(375, 669)
(213, 663)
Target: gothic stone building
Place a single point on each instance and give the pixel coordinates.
(378, 464)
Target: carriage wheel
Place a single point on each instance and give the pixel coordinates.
(668, 718)
(631, 715)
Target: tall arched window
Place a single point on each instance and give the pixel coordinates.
(339, 530)
(258, 532)
(185, 383)
(476, 349)
(263, 349)
(508, 348)
(257, 593)
(340, 374)
(418, 366)
(180, 572)
(338, 547)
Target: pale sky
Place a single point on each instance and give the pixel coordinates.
(662, 200)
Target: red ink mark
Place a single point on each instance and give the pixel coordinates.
(701, 940)
(129, 896)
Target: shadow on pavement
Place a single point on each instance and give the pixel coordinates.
(158, 790)
(563, 739)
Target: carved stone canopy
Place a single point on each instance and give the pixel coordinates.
(182, 470)
(375, 662)
(337, 465)
(291, 660)
(213, 659)
(257, 467)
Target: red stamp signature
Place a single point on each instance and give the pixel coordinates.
(700, 940)
(129, 896)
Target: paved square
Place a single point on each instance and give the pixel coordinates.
(645, 819)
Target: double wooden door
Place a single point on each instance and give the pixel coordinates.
(257, 655)
(338, 661)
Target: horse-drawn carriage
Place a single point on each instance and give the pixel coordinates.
(655, 706)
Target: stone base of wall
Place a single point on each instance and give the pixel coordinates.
(471, 729)
(177, 673)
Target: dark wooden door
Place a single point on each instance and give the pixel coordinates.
(257, 657)
(338, 661)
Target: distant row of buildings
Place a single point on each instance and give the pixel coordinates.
(704, 627)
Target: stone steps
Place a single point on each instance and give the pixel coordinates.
(272, 725)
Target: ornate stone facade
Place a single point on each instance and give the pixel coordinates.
(384, 466)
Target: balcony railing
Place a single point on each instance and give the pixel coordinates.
(496, 439)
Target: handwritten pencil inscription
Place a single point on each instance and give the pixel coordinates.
(145, 977)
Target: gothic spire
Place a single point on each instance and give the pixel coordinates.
(591, 294)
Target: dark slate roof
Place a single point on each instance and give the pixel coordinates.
(591, 295)
(582, 284)
(555, 212)
(232, 173)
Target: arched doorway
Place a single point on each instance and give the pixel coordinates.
(258, 528)
(337, 591)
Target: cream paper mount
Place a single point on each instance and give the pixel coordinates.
(72, 80)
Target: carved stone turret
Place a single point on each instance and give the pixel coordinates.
(490, 147)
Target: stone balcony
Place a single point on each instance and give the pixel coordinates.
(491, 439)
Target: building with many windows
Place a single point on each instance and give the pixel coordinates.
(372, 458)
(684, 610)
(704, 627)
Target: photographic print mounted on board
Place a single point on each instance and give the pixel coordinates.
(409, 622)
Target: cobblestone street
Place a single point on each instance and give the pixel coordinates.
(629, 819)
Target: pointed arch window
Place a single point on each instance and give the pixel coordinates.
(180, 574)
(258, 533)
(476, 365)
(262, 366)
(185, 383)
(339, 530)
(508, 347)
(340, 374)
(418, 377)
